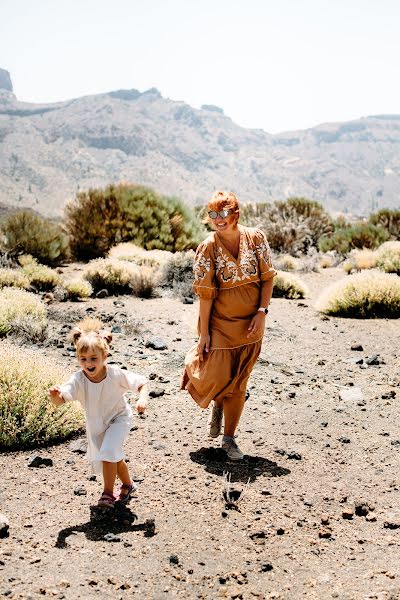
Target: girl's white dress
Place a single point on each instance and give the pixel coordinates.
(108, 413)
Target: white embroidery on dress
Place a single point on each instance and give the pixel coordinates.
(201, 267)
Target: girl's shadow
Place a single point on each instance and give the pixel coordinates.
(106, 524)
(216, 461)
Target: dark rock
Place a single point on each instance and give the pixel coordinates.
(257, 535)
(362, 508)
(344, 440)
(374, 360)
(293, 455)
(38, 461)
(157, 392)
(265, 567)
(156, 344)
(280, 531)
(188, 300)
(90, 309)
(280, 451)
(395, 443)
(348, 513)
(357, 347)
(324, 533)
(102, 293)
(389, 395)
(174, 559)
(80, 491)
(116, 329)
(112, 537)
(4, 526)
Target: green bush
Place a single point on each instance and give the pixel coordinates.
(289, 286)
(40, 277)
(22, 308)
(388, 257)
(389, 220)
(99, 219)
(13, 278)
(28, 418)
(365, 295)
(360, 235)
(116, 276)
(27, 233)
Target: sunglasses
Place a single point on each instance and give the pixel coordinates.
(213, 214)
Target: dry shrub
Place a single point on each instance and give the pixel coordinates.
(141, 257)
(326, 262)
(364, 295)
(359, 260)
(29, 419)
(388, 257)
(13, 278)
(289, 286)
(40, 277)
(116, 276)
(19, 307)
(78, 289)
(177, 273)
(144, 283)
(286, 262)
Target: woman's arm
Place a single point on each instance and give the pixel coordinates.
(204, 313)
(258, 321)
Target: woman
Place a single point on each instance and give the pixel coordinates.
(233, 277)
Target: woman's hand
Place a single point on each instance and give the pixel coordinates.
(56, 395)
(256, 327)
(203, 345)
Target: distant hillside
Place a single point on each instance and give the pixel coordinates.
(50, 151)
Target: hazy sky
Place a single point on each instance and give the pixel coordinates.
(270, 64)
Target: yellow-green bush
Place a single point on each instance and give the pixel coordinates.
(116, 276)
(289, 286)
(19, 306)
(139, 256)
(286, 262)
(13, 278)
(78, 289)
(28, 418)
(388, 257)
(360, 260)
(40, 277)
(364, 295)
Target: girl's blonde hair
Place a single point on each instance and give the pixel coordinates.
(90, 335)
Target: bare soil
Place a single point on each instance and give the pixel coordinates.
(320, 513)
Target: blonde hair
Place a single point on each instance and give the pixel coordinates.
(90, 335)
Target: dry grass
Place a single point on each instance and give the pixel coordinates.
(141, 257)
(388, 257)
(41, 277)
(286, 262)
(177, 273)
(359, 260)
(28, 417)
(24, 308)
(116, 276)
(145, 282)
(13, 278)
(362, 295)
(289, 286)
(78, 289)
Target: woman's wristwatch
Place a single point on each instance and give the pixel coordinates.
(263, 310)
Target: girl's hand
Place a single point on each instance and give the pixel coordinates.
(257, 325)
(56, 395)
(141, 404)
(203, 345)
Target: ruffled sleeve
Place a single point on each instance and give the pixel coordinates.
(263, 251)
(204, 272)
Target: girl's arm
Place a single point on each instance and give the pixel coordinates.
(204, 339)
(143, 392)
(56, 396)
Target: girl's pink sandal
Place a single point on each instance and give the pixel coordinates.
(130, 489)
(107, 500)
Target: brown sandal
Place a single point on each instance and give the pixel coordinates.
(107, 500)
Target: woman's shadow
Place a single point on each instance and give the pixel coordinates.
(216, 461)
(106, 524)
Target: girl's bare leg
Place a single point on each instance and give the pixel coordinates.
(123, 472)
(109, 476)
(233, 407)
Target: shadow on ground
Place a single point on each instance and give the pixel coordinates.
(216, 462)
(106, 524)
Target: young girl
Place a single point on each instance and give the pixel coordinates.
(100, 388)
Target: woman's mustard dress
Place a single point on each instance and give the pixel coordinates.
(235, 286)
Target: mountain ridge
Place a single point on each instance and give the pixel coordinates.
(50, 151)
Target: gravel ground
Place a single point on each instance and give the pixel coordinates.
(319, 516)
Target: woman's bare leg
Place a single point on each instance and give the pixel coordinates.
(233, 408)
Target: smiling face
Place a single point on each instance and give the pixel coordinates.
(93, 364)
(225, 224)
(224, 201)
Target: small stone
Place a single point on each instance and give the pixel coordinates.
(324, 533)
(357, 347)
(395, 443)
(116, 329)
(38, 461)
(174, 559)
(280, 531)
(374, 360)
(265, 567)
(102, 293)
(112, 537)
(80, 491)
(348, 513)
(111, 580)
(352, 394)
(292, 454)
(362, 508)
(4, 526)
(156, 344)
(344, 440)
(188, 300)
(157, 392)
(325, 519)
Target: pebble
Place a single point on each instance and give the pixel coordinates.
(38, 461)
(4, 526)
(156, 344)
